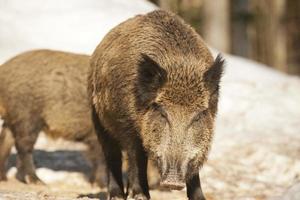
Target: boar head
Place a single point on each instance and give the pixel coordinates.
(177, 106)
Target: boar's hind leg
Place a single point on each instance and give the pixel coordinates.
(137, 180)
(113, 158)
(99, 175)
(194, 191)
(26, 134)
(96, 157)
(6, 142)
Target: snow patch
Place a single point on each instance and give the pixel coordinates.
(69, 178)
(256, 99)
(76, 25)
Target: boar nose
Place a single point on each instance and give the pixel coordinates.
(172, 178)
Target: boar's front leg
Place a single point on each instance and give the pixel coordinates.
(113, 157)
(137, 178)
(194, 191)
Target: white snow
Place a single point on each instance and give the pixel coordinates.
(257, 99)
(70, 25)
(257, 139)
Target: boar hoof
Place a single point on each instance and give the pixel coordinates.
(116, 198)
(33, 179)
(140, 197)
(30, 179)
(116, 194)
(98, 180)
(199, 198)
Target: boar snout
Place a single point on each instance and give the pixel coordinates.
(172, 179)
(172, 183)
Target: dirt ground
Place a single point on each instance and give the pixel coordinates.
(14, 190)
(259, 173)
(64, 169)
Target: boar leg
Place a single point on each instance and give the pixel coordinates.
(137, 181)
(99, 175)
(113, 157)
(25, 138)
(6, 142)
(194, 191)
(96, 157)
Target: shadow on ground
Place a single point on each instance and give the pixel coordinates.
(100, 195)
(61, 160)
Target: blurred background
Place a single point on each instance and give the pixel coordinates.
(267, 31)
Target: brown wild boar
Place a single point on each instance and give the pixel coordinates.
(45, 90)
(154, 88)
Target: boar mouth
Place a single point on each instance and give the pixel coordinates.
(172, 185)
(172, 182)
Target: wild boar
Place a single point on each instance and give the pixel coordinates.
(154, 88)
(46, 90)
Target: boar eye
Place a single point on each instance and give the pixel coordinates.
(160, 109)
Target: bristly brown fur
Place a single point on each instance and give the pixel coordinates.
(215, 72)
(152, 83)
(46, 90)
(151, 77)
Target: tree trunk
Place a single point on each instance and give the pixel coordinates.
(266, 33)
(293, 36)
(216, 24)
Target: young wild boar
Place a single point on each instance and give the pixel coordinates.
(45, 90)
(154, 89)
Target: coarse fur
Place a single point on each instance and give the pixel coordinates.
(45, 90)
(154, 88)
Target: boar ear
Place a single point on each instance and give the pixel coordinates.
(213, 75)
(150, 78)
